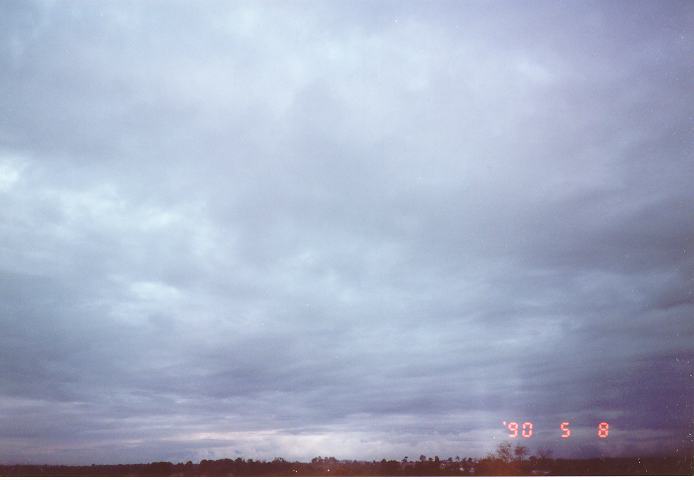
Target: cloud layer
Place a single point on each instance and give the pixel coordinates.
(351, 229)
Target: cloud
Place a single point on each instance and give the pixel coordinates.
(295, 229)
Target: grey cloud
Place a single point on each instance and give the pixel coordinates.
(355, 229)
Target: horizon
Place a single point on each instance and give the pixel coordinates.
(529, 456)
(260, 229)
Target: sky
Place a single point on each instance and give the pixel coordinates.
(352, 229)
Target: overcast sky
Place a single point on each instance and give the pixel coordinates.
(358, 229)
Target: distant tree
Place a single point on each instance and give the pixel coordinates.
(388, 467)
(545, 457)
(159, 469)
(422, 458)
(520, 452)
(544, 453)
(504, 453)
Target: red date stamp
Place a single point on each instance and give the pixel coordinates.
(525, 429)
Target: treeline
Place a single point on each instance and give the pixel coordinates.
(506, 461)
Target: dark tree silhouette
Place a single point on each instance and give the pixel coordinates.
(520, 452)
(504, 452)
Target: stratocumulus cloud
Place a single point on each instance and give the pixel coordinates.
(351, 229)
